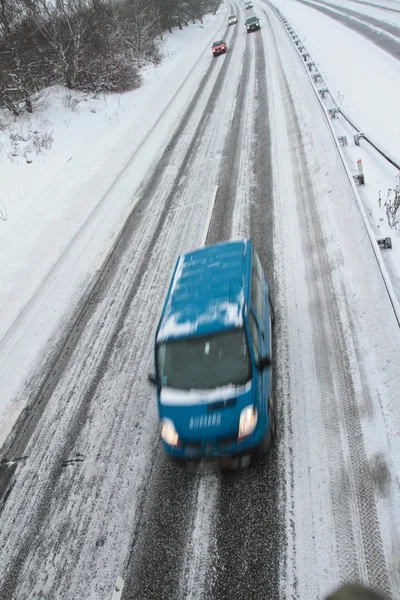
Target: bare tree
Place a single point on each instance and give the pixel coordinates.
(64, 24)
(16, 84)
(137, 25)
(86, 44)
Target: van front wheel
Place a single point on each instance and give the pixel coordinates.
(271, 310)
(269, 436)
(272, 424)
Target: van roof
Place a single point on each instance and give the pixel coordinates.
(208, 291)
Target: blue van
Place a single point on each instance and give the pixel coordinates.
(213, 351)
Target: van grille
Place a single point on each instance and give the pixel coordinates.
(223, 404)
(192, 445)
(226, 441)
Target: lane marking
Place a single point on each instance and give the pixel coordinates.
(119, 584)
(209, 215)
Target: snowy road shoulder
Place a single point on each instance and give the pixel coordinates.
(74, 222)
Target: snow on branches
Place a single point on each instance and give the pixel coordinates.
(89, 45)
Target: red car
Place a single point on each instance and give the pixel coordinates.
(219, 47)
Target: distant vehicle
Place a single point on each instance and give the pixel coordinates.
(249, 5)
(252, 24)
(219, 47)
(232, 20)
(213, 353)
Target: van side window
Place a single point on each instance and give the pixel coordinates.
(257, 288)
(255, 336)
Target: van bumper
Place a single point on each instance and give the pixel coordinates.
(220, 452)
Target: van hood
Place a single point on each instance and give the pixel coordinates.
(199, 415)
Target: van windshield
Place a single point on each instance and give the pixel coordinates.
(205, 363)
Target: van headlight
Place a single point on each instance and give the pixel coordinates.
(247, 422)
(169, 433)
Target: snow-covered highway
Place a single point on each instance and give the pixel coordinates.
(89, 494)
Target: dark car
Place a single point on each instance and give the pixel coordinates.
(219, 47)
(249, 5)
(252, 24)
(232, 20)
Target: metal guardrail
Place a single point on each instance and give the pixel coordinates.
(393, 161)
(302, 52)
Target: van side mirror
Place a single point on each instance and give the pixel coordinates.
(151, 378)
(264, 362)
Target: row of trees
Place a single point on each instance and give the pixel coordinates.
(90, 45)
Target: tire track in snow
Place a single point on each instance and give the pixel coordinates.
(357, 526)
(354, 535)
(247, 538)
(25, 426)
(19, 438)
(68, 489)
(199, 569)
(384, 40)
(390, 28)
(245, 184)
(75, 427)
(261, 226)
(192, 582)
(358, 537)
(380, 6)
(248, 531)
(141, 582)
(157, 556)
(221, 219)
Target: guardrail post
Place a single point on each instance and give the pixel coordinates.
(323, 91)
(333, 112)
(360, 172)
(359, 179)
(384, 242)
(358, 137)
